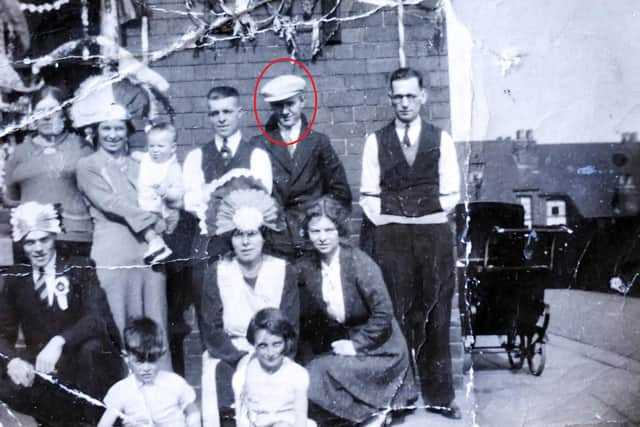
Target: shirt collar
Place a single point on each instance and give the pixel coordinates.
(233, 141)
(335, 261)
(414, 124)
(49, 269)
(293, 133)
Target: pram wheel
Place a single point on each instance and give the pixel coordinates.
(536, 355)
(516, 351)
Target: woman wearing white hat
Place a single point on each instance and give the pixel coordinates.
(108, 180)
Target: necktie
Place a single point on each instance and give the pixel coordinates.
(41, 283)
(225, 151)
(405, 140)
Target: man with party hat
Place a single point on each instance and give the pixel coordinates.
(305, 165)
(68, 330)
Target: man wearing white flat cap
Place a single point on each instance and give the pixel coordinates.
(303, 169)
(68, 330)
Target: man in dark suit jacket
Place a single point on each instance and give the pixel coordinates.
(304, 167)
(68, 329)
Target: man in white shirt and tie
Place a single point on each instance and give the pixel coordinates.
(227, 155)
(410, 181)
(69, 333)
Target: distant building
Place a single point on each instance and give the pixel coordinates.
(590, 188)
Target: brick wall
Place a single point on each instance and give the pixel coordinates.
(350, 78)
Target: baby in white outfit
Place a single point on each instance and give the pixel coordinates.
(160, 188)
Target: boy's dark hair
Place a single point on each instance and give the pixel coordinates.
(406, 73)
(144, 339)
(273, 321)
(162, 127)
(220, 92)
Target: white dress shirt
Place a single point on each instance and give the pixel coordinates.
(332, 293)
(448, 169)
(291, 135)
(197, 190)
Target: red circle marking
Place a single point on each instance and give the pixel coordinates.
(315, 101)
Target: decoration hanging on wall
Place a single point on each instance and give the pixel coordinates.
(44, 7)
(12, 17)
(226, 20)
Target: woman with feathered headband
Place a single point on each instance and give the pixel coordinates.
(239, 285)
(108, 180)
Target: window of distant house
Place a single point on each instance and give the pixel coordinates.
(556, 212)
(525, 201)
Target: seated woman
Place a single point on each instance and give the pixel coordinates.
(360, 366)
(238, 286)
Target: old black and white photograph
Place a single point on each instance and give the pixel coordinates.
(319, 213)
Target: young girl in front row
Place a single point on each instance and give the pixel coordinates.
(149, 397)
(271, 389)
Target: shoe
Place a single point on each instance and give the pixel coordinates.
(157, 252)
(452, 411)
(618, 284)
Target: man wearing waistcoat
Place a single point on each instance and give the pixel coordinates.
(69, 333)
(205, 168)
(410, 181)
(304, 167)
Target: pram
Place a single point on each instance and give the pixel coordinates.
(503, 269)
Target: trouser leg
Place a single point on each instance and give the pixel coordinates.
(435, 243)
(154, 303)
(395, 257)
(224, 375)
(178, 283)
(91, 368)
(116, 283)
(48, 403)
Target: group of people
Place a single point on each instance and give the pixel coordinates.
(299, 326)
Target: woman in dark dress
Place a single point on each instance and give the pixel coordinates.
(360, 366)
(239, 285)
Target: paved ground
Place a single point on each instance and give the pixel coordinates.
(581, 386)
(607, 321)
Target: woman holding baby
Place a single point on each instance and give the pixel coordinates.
(123, 230)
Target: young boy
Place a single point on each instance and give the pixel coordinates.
(160, 188)
(148, 396)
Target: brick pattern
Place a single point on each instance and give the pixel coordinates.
(350, 78)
